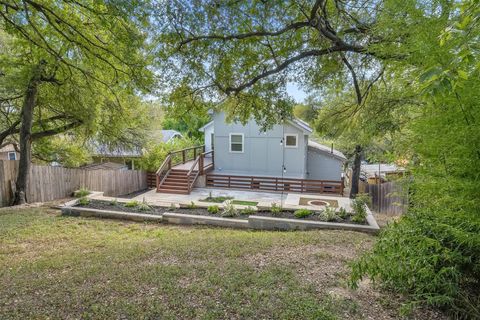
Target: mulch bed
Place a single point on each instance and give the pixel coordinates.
(105, 205)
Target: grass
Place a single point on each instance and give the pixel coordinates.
(245, 203)
(65, 267)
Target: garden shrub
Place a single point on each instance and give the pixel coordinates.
(247, 211)
(275, 208)
(192, 205)
(343, 213)
(213, 209)
(113, 202)
(82, 192)
(359, 207)
(144, 206)
(229, 209)
(131, 204)
(302, 213)
(83, 201)
(329, 214)
(172, 207)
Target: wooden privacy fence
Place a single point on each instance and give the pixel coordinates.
(274, 184)
(389, 197)
(47, 183)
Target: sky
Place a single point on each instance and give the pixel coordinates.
(295, 92)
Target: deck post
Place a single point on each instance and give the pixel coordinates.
(200, 164)
(194, 153)
(183, 156)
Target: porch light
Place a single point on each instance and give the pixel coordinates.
(281, 142)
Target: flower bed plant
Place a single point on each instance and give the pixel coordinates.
(228, 211)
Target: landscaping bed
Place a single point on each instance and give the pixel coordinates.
(329, 215)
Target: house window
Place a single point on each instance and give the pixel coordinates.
(291, 141)
(12, 156)
(236, 142)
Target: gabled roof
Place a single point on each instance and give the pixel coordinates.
(301, 124)
(202, 129)
(105, 166)
(326, 150)
(168, 135)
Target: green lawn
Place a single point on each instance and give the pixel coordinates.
(65, 267)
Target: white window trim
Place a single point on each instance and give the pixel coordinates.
(230, 142)
(15, 155)
(296, 140)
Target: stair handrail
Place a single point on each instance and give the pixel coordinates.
(167, 161)
(190, 185)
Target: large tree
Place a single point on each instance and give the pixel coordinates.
(70, 64)
(245, 52)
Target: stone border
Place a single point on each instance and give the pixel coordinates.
(253, 222)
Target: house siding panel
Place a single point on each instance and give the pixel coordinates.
(323, 167)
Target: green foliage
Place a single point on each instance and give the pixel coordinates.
(82, 192)
(131, 204)
(114, 202)
(343, 213)
(245, 203)
(83, 201)
(216, 199)
(172, 207)
(247, 211)
(156, 153)
(192, 205)
(302, 213)
(275, 208)
(329, 214)
(144, 206)
(359, 207)
(213, 209)
(229, 210)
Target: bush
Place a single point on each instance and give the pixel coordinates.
(229, 209)
(113, 202)
(144, 206)
(82, 192)
(131, 204)
(172, 207)
(213, 209)
(275, 208)
(329, 214)
(247, 211)
(436, 255)
(359, 207)
(192, 205)
(302, 213)
(343, 213)
(83, 201)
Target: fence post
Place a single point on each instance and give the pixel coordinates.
(200, 164)
(183, 156)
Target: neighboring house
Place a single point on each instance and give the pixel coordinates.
(282, 151)
(8, 152)
(129, 156)
(105, 166)
(380, 171)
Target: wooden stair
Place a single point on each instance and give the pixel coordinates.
(177, 181)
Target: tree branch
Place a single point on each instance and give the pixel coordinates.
(354, 77)
(52, 132)
(286, 63)
(293, 26)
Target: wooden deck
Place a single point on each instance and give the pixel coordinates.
(188, 165)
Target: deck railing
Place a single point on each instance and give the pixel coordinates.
(275, 184)
(177, 157)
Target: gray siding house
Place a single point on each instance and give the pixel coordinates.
(283, 151)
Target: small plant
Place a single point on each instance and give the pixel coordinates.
(229, 209)
(82, 192)
(302, 213)
(213, 209)
(329, 214)
(215, 199)
(343, 213)
(247, 211)
(83, 201)
(192, 205)
(131, 204)
(172, 207)
(113, 202)
(359, 205)
(275, 208)
(144, 206)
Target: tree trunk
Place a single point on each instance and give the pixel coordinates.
(26, 134)
(357, 162)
